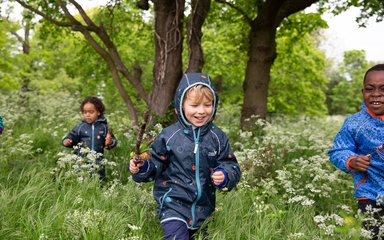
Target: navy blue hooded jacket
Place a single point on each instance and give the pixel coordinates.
(91, 134)
(183, 160)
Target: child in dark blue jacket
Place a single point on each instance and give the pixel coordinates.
(189, 161)
(358, 150)
(92, 132)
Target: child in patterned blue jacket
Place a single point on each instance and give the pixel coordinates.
(358, 149)
(189, 161)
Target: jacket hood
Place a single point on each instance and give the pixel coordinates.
(189, 80)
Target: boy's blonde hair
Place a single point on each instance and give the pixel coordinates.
(198, 92)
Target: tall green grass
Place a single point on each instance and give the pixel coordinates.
(289, 190)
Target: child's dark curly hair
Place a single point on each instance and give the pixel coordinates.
(95, 101)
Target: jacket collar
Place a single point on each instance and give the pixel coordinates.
(371, 113)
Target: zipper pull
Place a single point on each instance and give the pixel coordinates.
(196, 147)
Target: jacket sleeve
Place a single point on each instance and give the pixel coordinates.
(74, 135)
(344, 147)
(156, 164)
(229, 165)
(114, 143)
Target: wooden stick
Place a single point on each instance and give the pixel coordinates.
(139, 137)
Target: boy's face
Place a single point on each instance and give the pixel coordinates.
(90, 113)
(373, 92)
(197, 113)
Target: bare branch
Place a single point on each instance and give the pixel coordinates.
(19, 38)
(83, 14)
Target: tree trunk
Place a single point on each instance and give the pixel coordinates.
(167, 71)
(262, 54)
(199, 13)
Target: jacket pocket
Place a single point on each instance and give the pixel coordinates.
(164, 199)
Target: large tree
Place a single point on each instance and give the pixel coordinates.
(168, 34)
(263, 17)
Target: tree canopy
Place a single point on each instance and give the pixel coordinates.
(135, 55)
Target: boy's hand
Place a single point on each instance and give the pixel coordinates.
(360, 163)
(134, 165)
(67, 142)
(218, 177)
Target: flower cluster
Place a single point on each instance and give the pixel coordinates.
(79, 222)
(328, 223)
(82, 164)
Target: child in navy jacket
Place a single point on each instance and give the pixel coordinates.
(92, 132)
(189, 161)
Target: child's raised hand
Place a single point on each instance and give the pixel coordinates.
(67, 142)
(360, 163)
(218, 177)
(134, 165)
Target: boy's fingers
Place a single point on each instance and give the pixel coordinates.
(218, 177)
(362, 166)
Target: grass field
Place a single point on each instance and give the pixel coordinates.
(289, 189)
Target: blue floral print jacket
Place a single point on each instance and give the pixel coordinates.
(361, 134)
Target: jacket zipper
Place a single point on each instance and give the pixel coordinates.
(197, 173)
(93, 137)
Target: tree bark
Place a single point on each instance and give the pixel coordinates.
(167, 71)
(199, 13)
(262, 53)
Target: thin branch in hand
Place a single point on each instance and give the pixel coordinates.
(141, 132)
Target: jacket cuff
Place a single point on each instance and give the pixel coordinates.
(112, 145)
(348, 162)
(144, 168)
(225, 181)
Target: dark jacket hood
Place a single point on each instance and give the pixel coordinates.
(189, 80)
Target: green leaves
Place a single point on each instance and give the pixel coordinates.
(346, 81)
(297, 78)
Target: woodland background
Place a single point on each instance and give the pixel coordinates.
(281, 103)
